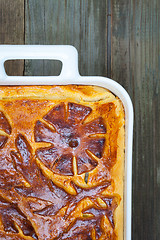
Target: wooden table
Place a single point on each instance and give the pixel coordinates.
(115, 38)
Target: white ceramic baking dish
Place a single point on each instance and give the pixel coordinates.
(70, 75)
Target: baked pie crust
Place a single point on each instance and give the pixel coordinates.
(61, 163)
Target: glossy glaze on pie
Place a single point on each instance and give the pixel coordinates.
(61, 163)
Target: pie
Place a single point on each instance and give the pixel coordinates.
(61, 163)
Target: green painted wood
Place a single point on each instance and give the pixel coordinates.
(79, 23)
(12, 30)
(136, 65)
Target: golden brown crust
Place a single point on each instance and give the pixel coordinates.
(62, 163)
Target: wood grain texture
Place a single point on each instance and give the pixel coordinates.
(79, 23)
(12, 30)
(136, 65)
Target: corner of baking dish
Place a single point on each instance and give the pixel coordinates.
(69, 75)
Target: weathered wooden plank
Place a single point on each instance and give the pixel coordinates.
(12, 30)
(79, 23)
(120, 42)
(136, 65)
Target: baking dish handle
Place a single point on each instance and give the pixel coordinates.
(65, 53)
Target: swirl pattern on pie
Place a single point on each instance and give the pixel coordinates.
(61, 163)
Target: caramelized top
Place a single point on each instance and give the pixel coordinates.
(56, 160)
